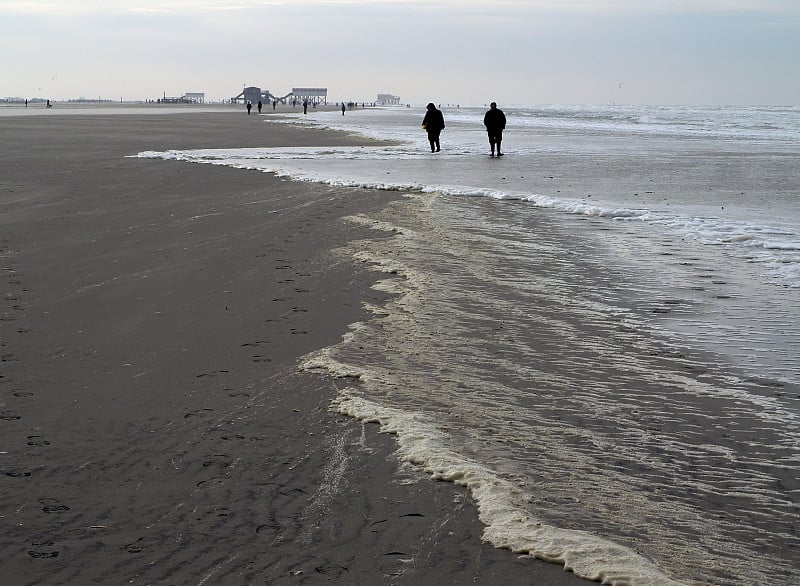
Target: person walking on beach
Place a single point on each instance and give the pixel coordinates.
(495, 122)
(260, 105)
(249, 107)
(305, 106)
(343, 108)
(433, 124)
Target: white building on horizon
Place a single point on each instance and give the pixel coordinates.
(388, 100)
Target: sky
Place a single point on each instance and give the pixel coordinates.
(695, 52)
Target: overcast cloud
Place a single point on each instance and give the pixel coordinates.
(447, 51)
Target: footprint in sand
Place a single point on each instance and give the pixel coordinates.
(13, 473)
(397, 565)
(218, 461)
(270, 528)
(37, 441)
(331, 571)
(52, 506)
(215, 513)
(261, 359)
(198, 413)
(211, 483)
(133, 548)
(212, 373)
(43, 550)
(9, 415)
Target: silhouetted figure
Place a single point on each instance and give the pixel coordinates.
(495, 122)
(260, 105)
(274, 104)
(305, 106)
(433, 123)
(249, 107)
(343, 108)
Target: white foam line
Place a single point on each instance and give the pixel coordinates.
(507, 525)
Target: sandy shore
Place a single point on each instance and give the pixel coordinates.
(155, 428)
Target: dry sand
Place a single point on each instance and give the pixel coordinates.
(154, 428)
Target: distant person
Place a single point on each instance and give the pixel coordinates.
(249, 107)
(305, 106)
(274, 104)
(343, 108)
(495, 122)
(260, 105)
(433, 124)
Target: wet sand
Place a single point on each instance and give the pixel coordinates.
(154, 425)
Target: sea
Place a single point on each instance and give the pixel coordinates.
(598, 334)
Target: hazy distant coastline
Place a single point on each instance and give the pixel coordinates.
(137, 107)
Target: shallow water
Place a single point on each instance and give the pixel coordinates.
(598, 334)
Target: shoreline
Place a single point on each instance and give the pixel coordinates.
(145, 108)
(156, 425)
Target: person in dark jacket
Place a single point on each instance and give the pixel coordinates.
(433, 123)
(495, 122)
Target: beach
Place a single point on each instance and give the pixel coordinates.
(156, 427)
(597, 334)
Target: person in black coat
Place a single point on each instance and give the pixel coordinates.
(495, 122)
(433, 123)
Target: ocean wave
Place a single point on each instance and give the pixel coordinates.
(507, 526)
